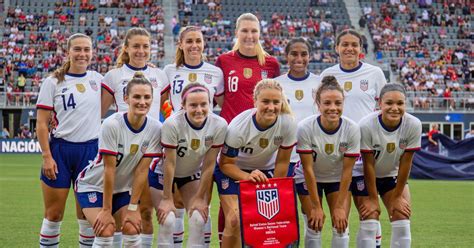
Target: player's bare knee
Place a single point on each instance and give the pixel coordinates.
(398, 216)
(129, 229)
(54, 215)
(232, 221)
(147, 214)
(108, 231)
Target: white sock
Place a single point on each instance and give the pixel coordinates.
(401, 235)
(147, 240)
(378, 236)
(103, 242)
(117, 240)
(367, 233)
(165, 233)
(312, 239)
(86, 234)
(340, 240)
(132, 241)
(179, 228)
(196, 230)
(49, 234)
(208, 230)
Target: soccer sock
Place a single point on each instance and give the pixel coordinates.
(132, 241)
(312, 239)
(49, 234)
(147, 240)
(378, 236)
(401, 235)
(196, 230)
(165, 233)
(100, 242)
(340, 240)
(367, 233)
(117, 240)
(208, 230)
(179, 228)
(220, 224)
(86, 234)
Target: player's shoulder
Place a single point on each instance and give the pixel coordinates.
(217, 120)
(412, 120)
(308, 122)
(331, 70)
(169, 68)
(271, 60)
(349, 123)
(50, 81)
(153, 124)
(242, 119)
(94, 74)
(369, 119)
(366, 67)
(114, 120)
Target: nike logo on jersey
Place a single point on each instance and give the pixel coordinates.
(64, 90)
(177, 76)
(181, 140)
(231, 72)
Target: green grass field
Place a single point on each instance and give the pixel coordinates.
(442, 211)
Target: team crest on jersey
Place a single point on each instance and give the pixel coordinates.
(403, 143)
(144, 146)
(268, 202)
(343, 146)
(247, 73)
(208, 140)
(207, 78)
(81, 88)
(390, 147)
(263, 142)
(133, 148)
(299, 95)
(192, 77)
(264, 74)
(278, 140)
(153, 82)
(93, 85)
(195, 144)
(348, 86)
(329, 148)
(364, 84)
(92, 197)
(225, 183)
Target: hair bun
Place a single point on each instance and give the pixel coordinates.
(329, 80)
(138, 75)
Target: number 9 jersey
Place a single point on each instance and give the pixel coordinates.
(71, 100)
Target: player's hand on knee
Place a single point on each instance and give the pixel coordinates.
(102, 221)
(50, 168)
(316, 219)
(370, 209)
(166, 206)
(200, 205)
(400, 206)
(257, 176)
(339, 220)
(133, 219)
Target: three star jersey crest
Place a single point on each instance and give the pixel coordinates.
(268, 202)
(364, 84)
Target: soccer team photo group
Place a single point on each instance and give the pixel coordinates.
(253, 145)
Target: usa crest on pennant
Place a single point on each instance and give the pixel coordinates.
(268, 204)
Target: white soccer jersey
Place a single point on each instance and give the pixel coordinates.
(117, 79)
(257, 148)
(300, 93)
(178, 78)
(75, 103)
(329, 148)
(389, 145)
(118, 138)
(191, 143)
(362, 87)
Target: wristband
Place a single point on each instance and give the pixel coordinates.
(132, 207)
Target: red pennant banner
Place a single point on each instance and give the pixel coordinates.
(268, 214)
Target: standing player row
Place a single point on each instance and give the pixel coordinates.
(242, 68)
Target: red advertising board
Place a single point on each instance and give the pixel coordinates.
(268, 214)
